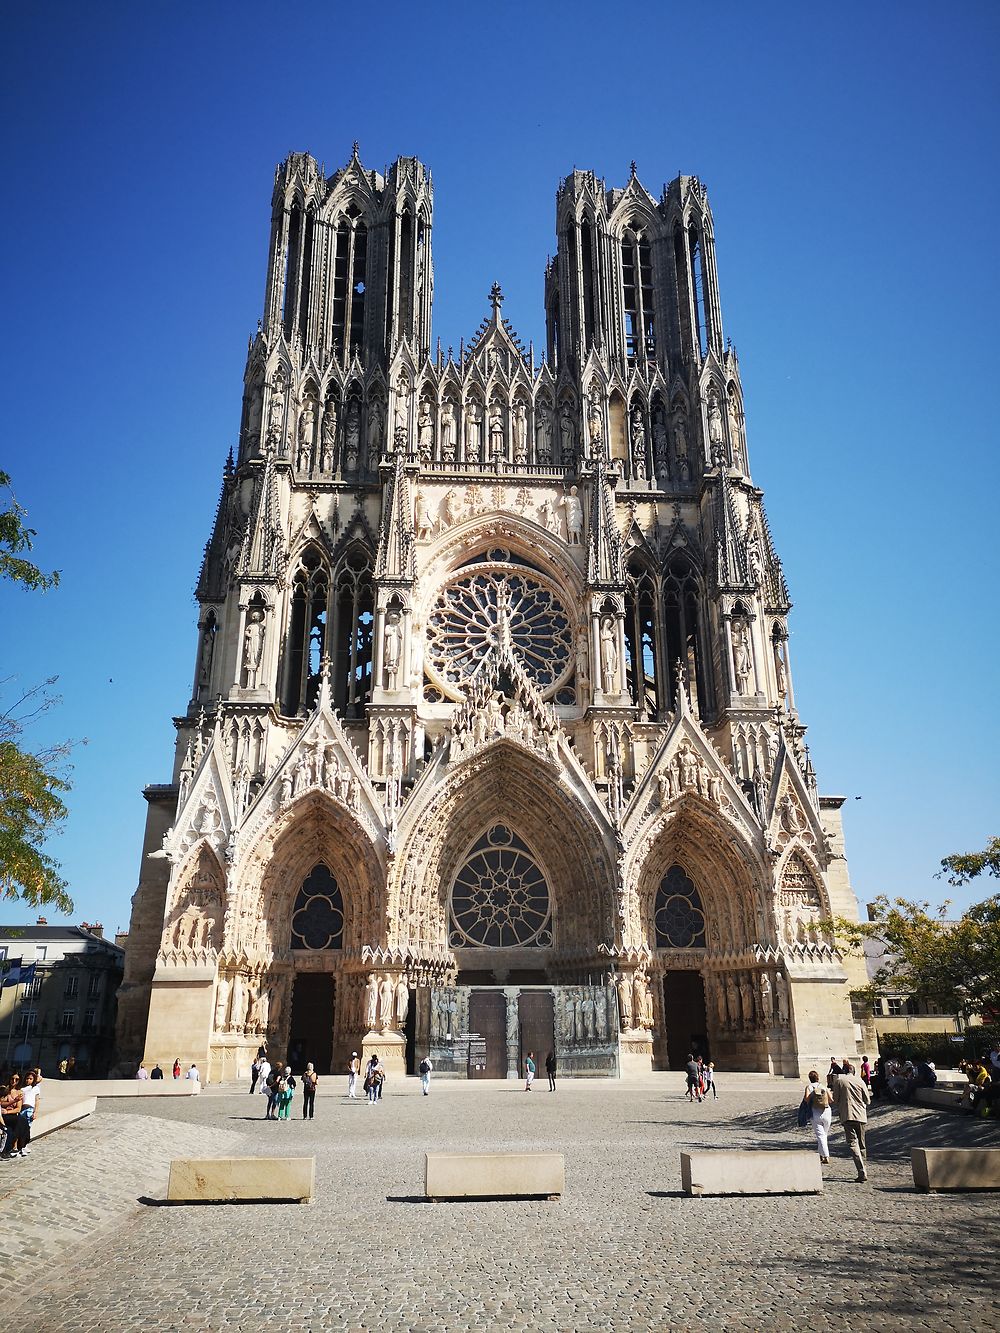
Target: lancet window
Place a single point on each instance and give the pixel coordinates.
(306, 642)
(351, 637)
(298, 272)
(678, 915)
(641, 649)
(637, 283)
(318, 916)
(350, 274)
(681, 619)
(698, 289)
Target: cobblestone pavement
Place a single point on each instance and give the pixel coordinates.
(623, 1249)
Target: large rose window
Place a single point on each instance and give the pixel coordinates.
(500, 898)
(491, 603)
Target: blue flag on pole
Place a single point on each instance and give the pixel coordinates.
(11, 972)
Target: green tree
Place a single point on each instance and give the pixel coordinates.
(31, 781)
(953, 964)
(964, 866)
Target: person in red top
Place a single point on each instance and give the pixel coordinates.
(177, 1069)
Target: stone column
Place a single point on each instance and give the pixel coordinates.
(511, 994)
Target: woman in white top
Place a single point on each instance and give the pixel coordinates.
(818, 1098)
(31, 1094)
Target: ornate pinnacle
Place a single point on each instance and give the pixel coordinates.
(496, 300)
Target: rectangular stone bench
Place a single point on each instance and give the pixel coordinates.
(494, 1175)
(949, 1098)
(790, 1171)
(955, 1168)
(58, 1117)
(227, 1179)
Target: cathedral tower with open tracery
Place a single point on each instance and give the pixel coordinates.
(492, 742)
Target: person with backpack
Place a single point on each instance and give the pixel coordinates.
(270, 1087)
(820, 1104)
(424, 1070)
(309, 1081)
(286, 1088)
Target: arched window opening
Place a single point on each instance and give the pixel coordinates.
(698, 292)
(640, 639)
(359, 286)
(681, 615)
(678, 916)
(589, 300)
(341, 275)
(292, 250)
(354, 616)
(306, 633)
(552, 329)
(318, 916)
(500, 899)
(637, 281)
(305, 286)
(405, 273)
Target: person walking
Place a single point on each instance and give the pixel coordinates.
(11, 1102)
(254, 1074)
(425, 1075)
(818, 1100)
(851, 1097)
(529, 1071)
(270, 1087)
(263, 1074)
(309, 1080)
(550, 1069)
(373, 1078)
(353, 1070)
(30, 1096)
(709, 1080)
(693, 1079)
(286, 1093)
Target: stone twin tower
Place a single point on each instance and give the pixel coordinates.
(492, 742)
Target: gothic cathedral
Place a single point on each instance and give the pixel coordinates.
(492, 742)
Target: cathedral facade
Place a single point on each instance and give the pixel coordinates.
(492, 743)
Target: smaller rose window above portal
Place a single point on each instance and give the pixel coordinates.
(678, 914)
(495, 602)
(318, 918)
(500, 898)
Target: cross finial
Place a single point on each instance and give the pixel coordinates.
(632, 168)
(354, 148)
(496, 299)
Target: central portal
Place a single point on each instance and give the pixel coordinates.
(310, 1038)
(488, 1020)
(536, 1026)
(684, 1009)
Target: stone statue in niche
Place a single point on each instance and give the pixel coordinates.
(307, 426)
(276, 414)
(566, 433)
(385, 998)
(781, 988)
(253, 647)
(286, 786)
(424, 520)
(548, 517)
(661, 453)
(374, 430)
(766, 998)
(392, 645)
(543, 434)
(716, 434)
(402, 1002)
(448, 431)
(624, 1002)
(454, 507)
(238, 1012)
(574, 516)
(205, 658)
(790, 815)
(473, 432)
(609, 655)
(742, 659)
(371, 1002)
(221, 1005)
(253, 414)
(401, 415)
(595, 421)
(425, 432)
(735, 433)
(520, 433)
(328, 436)
(638, 431)
(732, 1002)
(352, 438)
(780, 673)
(496, 433)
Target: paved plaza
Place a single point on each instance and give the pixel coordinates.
(85, 1245)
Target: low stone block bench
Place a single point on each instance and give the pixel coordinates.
(791, 1171)
(948, 1098)
(60, 1116)
(494, 1175)
(233, 1179)
(955, 1168)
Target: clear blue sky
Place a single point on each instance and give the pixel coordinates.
(850, 153)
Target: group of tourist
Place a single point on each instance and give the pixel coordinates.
(19, 1100)
(897, 1080)
(700, 1078)
(981, 1094)
(143, 1074)
(850, 1093)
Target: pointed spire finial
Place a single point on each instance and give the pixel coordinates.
(355, 150)
(496, 300)
(632, 169)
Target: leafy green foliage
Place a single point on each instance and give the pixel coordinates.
(953, 964)
(15, 537)
(31, 805)
(967, 865)
(938, 1046)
